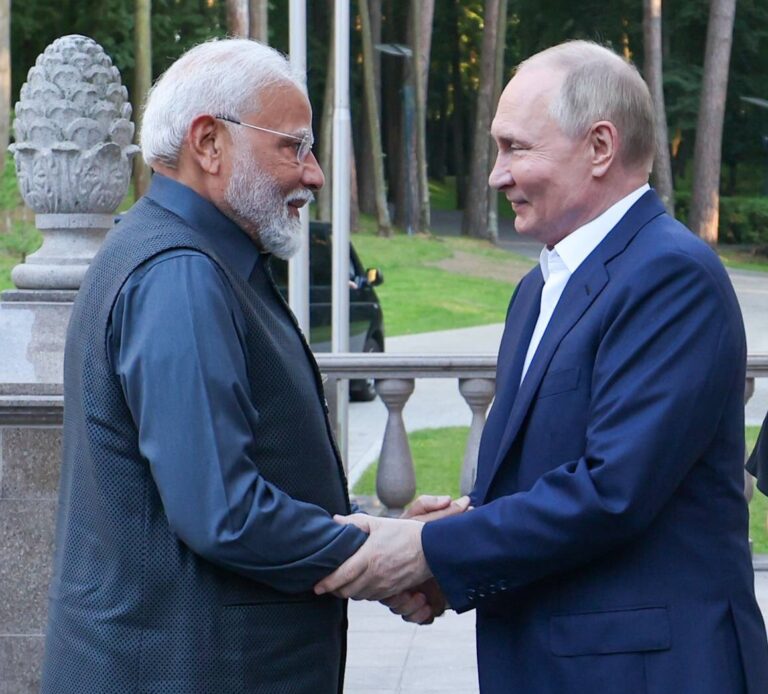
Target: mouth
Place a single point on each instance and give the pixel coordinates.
(296, 202)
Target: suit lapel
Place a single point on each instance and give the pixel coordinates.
(521, 320)
(582, 289)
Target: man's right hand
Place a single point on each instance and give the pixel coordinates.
(426, 601)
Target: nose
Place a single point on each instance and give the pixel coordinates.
(312, 175)
(500, 176)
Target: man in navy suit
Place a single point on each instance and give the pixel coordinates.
(607, 549)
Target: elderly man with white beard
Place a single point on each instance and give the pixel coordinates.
(200, 475)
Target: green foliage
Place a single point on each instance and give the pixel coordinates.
(437, 457)
(20, 241)
(743, 220)
(6, 265)
(10, 197)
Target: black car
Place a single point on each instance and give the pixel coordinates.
(366, 322)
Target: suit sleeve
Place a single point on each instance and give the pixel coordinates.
(671, 350)
(176, 347)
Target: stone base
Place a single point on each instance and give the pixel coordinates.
(40, 295)
(21, 659)
(29, 480)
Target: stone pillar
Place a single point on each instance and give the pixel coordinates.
(478, 392)
(72, 152)
(395, 477)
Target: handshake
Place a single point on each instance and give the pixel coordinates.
(390, 566)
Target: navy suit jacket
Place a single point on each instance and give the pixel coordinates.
(608, 548)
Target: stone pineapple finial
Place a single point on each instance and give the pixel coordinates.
(73, 155)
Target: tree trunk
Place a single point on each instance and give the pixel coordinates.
(407, 207)
(365, 174)
(372, 122)
(501, 44)
(705, 200)
(237, 18)
(662, 167)
(354, 207)
(142, 82)
(5, 77)
(457, 122)
(422, 45)
(258, 20)
(475, 220)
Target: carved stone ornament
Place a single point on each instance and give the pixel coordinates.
(73, 155)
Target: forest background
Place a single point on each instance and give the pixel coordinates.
(431, 117)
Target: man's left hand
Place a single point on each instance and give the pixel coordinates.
(419, 605)
(390, 562)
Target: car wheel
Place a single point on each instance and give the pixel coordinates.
(364, 390)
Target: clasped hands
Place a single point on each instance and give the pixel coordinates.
(390, 566)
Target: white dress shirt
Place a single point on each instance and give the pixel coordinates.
(559, 263)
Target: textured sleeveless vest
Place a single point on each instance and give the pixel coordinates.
(132, 609)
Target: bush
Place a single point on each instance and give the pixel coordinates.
(743, 220)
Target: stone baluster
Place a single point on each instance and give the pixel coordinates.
(395, 478)
(478, 392)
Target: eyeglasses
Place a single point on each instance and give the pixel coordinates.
(304, 144)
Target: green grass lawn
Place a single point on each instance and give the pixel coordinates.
(438, 453)
(437, 456)
(743, 259)
(758, 507)
(417, 296)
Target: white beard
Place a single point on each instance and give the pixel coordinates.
(259, 207)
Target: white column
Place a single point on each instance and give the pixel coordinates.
(340, 216)
(298, 266)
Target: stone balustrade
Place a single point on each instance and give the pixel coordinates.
(395, 376)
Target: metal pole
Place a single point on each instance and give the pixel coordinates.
(298, 266)
(340, 216)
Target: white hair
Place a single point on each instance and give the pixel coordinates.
(600, 85)
(219, 77)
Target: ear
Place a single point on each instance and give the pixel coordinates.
(207, 138)
(604, 146)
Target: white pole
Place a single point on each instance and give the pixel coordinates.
(340, 216)
(298, 266)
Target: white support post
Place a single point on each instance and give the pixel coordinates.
(340, 216)
(298, 266)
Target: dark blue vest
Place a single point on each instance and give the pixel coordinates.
(132, 609)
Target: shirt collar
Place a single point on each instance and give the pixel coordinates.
(576, 247)
(227, 239)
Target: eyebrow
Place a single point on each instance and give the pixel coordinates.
(510, 139)
(304, 132)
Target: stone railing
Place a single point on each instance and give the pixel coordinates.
(395, 376)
